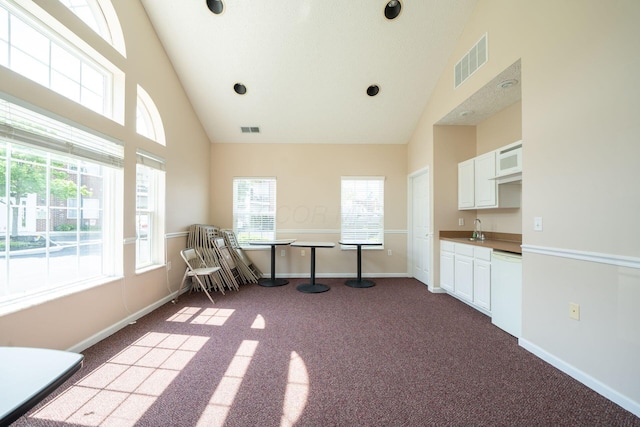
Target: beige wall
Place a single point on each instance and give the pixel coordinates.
(308, 199)
(501, 129)
(76, 320)
(579, 127)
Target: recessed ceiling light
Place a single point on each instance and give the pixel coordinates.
(507, 84)
(240, 88)
(466, 113)
(215, 6)
(392, 9)
(373, 90)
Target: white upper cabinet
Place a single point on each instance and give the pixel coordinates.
(485, 187)
(466, 186)
(478, 187)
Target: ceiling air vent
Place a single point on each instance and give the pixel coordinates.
(474, 59)
(250, 129)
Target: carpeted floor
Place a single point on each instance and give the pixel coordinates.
(391, 355)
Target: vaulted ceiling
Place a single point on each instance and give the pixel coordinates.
(307, 65)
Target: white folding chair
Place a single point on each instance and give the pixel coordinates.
(196, 268)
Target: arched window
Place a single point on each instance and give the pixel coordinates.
(148, 120)
(101, 17)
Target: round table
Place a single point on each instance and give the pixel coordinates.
(271, 282)
(359, 282)
(312, 287)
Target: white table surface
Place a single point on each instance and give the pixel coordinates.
(28, 375)
(314, 244)
(272, 242)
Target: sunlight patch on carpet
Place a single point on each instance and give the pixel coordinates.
(258, 322)
(216, 412)
(121, 390)
(297, 392)
(199, 316)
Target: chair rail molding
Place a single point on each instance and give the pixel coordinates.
(603, 258)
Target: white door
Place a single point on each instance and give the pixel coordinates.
(420, 227)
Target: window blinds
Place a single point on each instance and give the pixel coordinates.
(362, 209)
(254, 209)
(149, 160)
(26, 126)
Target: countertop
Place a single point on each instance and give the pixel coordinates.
(507, 242)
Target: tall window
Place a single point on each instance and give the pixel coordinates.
(150, 185)
(254, 209)
(362, 209)
(37, 52)
(58, 211)
(148, 120)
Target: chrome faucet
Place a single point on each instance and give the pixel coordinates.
(477, 232)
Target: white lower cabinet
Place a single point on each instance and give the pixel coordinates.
(463, 277)
(465, 271)
(482, 284)
(447, 266)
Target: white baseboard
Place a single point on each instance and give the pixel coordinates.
(83, 345)
(577, 374)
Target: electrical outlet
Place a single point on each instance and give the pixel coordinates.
(302, 252)
(537, 223)
(169, 265)
(389, 252)
(574, 311)
(282, 252)
(460, 221)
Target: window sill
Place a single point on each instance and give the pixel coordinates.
(23, 303)
(149, 268)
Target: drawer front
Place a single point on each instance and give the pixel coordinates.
(464, 249)
(482, 253)
(446, 246)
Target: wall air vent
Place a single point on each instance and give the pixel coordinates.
(471, 61)
(250, 129)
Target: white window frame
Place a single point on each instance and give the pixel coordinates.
(362, 210)
(150, 242)
(111, 93)
(22, 127)
(252, 206)
(148, 119)
(101, 18)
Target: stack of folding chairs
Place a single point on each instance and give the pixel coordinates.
(249, 270)
(217, 252)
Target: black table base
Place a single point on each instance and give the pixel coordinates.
(312, 288)
(270, 283)
(358, 283)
